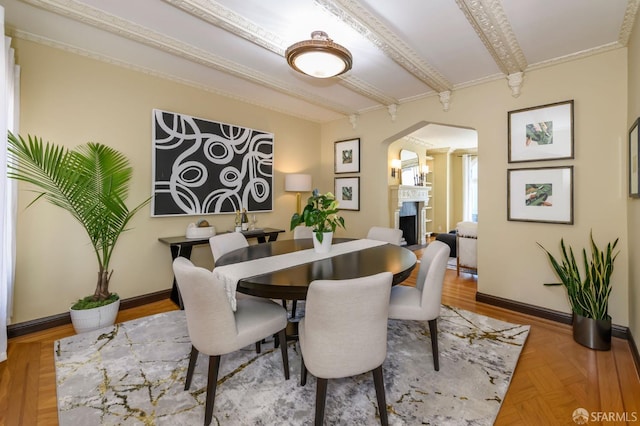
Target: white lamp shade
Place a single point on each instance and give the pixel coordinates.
(297, 182)
(320, 64)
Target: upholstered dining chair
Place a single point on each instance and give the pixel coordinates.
(215, 329)
(301, 232)
(422, 302)
(222, 244)
(467, 245)
(344, 333)
(390, 235)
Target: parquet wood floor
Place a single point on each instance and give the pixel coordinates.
(554, 375)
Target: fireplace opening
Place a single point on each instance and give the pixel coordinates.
(409, 222)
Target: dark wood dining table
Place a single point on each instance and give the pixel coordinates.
(182, 246)
(292, 283)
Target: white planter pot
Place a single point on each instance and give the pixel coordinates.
(84, 320)
(325, 245)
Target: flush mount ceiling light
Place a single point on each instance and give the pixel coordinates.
(319, 57)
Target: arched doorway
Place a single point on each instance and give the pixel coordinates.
(446, 163)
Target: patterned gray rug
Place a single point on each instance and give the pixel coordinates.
(133, 374)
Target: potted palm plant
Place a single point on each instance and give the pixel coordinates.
(589, 297)
(91, 182)
(321, 214)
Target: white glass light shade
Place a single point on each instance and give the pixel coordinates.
(319, 64)
(297, 182)
(319, 57)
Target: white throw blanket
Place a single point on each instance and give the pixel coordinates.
(231, 274)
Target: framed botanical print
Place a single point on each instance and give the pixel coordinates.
(348, 193)
(541, 133)
(540, 194)
(347, 156)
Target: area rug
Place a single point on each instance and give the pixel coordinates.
(133, 374)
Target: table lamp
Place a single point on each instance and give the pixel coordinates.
(297, 182)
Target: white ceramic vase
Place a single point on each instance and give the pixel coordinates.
(84, 320)
(325, 245)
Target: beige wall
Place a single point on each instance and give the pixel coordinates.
(633, 205)
(69, 99)
(511, 265)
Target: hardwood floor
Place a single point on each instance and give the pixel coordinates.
(554, 375)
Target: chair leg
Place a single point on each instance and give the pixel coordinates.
(293, 308)
(212, 381)
(433, 329)
(378, 381)
(321, 396)
(192, 365)
(282, 337)
(303, 372)
(258, 347)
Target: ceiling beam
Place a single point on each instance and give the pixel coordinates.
(354, 14)
(492, 26)
(123, 28)
(222, 17)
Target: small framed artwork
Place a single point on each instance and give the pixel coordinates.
(347, 156)
(540, 195)
(348, 193)
(634, 147)
(541, 133)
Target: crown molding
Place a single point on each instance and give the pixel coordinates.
(418, 141)
(34, 38)
(354, 14)
(488, 19)
(575, 56)
(627, 22)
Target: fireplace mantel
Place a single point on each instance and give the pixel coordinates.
(399, 194)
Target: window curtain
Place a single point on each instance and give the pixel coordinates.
(9, 117)
(469, 188)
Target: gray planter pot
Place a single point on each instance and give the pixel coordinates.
(594, 334)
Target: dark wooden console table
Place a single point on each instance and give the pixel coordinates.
(182, 246)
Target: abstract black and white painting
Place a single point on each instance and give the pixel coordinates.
(207, 167)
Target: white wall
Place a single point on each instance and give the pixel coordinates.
(69, 99)
(511, 265)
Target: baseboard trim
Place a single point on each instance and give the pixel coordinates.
(550, 314)
(634, 351)
(40, 324)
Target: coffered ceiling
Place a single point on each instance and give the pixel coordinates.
(402, 50)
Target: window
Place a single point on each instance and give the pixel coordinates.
(470, 188)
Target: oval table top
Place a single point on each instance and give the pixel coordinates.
(292, 283)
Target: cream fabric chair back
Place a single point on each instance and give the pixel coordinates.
(390, 235)
(301, 232)
(222, 244)
(215, 330)
(210, 320)
(344, 333)
(433, 265)
(422, 302)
